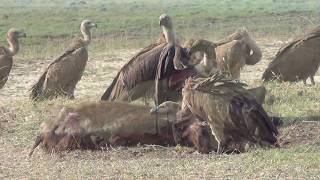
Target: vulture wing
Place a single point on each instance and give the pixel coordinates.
(294, 44)
(5, 68)
(173, 58)
(116, 87)
(139, 68)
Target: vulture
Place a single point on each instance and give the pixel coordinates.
(136, 77)
(6, 54)
(233, 114)
(297, 60)
(236, 51)
(233, 53)
(62, 75)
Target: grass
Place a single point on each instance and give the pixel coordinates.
(130, 24)
(124, 27)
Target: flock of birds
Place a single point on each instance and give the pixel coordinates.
(194, 73)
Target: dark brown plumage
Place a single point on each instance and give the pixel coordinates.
(62, 75)
(233, 114)
(297, 60)
(137, 76)
(6, 54)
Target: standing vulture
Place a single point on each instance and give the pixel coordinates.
(62, 75)
(136, 77)
(236, 51)
(234, 116)
(6, 54)
(233, 53)
(297, 60)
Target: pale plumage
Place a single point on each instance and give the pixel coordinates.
(6, 54)
(62, 75)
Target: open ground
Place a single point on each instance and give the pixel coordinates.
(124, 27)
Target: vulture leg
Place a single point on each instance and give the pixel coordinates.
(221, 147)
(70, 90)
(305, 81)
(312, 80)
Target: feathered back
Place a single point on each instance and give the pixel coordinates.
(213, 84)
(224, 91)
(290, 54)
(137, 69)
(300, 39)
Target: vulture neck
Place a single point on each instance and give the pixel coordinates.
(168, 34)
(86, 35)
(207, 64)
(13, 46)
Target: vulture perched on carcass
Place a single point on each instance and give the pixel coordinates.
(62, 75)
(233, 114)
(6, 54)
(297, 60)
(162, 64)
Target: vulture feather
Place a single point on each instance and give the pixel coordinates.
(297, 60)
(62, 75)
(234, 116)
(6, 54)
(133, 79)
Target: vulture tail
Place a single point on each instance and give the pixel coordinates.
(106, 95)
(36, 89)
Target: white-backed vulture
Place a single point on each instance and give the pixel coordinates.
(6, 54)
(234, 116)
(297, 60)
(236, 51)
(62, 75)
(134, 78)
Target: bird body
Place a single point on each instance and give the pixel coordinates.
(6, 54)
(297, 60)
(62, 75)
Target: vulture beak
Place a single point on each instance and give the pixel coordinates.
(94, 25)
(22, 34)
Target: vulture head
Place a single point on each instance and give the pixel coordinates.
(85, 27)
(203, 45)
(165, 21)
(13, 36)
(87, 24)
(168, 107)
(208, 64)
(167, 28)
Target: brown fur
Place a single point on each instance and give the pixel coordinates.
(188, 130)
(297, 60)
(6, 55)
(233, 53)
(234, 116)
(62, 75)
(96, 125)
